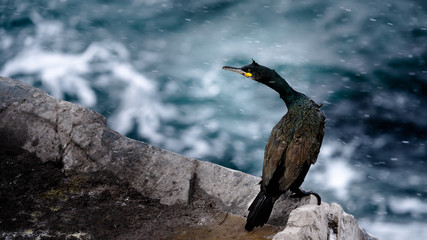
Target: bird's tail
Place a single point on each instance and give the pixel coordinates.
(259, 211)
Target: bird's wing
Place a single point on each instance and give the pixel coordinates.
(275, 149)
(294, 143)
(273, 155)
(301, 151)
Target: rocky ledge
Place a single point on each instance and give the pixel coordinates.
(66, 175)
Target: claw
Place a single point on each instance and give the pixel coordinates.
(302, 193)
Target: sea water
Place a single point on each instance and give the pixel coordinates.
(153, 68)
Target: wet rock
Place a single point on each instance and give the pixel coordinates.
(95, 170)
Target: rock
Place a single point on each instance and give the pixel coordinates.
(233, 189)
(306, 222)
(78, 142)
(321, 222)
(59, 131)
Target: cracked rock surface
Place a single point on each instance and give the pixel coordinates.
(65, 174)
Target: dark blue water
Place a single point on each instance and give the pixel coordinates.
(153, 68)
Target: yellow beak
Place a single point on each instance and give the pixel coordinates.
(237, 70)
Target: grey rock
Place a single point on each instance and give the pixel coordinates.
(306, 222)
(322, 222)
(79, 139)
(60, 131)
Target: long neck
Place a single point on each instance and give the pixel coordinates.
(288, 94)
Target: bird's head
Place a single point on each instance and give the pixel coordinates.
(253, 71)
(268, 77)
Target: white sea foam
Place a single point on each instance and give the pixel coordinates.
(395, 231)
(335, 171)
(63, 73)
(107, 64)
(6, 40)
(59, 73)
(411, 205)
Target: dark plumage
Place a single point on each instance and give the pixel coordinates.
(293, 145)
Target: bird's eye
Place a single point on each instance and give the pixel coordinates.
(249, 70)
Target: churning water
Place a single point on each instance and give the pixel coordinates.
(153, 68)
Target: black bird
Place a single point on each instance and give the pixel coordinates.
(293, 146)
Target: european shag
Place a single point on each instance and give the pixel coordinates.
(293, 146)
